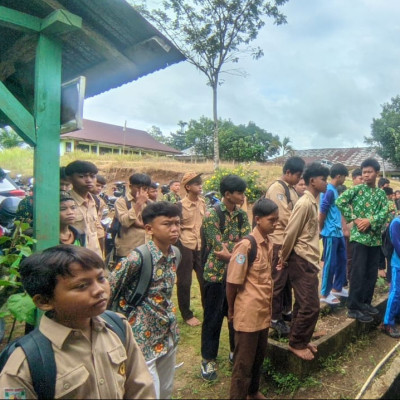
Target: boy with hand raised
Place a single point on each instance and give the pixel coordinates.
(249, 295)
(153, 322)
(68, 283)
(193, 210)
(300, 255)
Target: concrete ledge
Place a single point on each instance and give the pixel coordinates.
(335, 342)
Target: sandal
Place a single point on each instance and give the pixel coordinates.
(331, 299)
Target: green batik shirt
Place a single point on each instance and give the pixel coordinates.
(171, 197)
(214, 269)
(361, 201)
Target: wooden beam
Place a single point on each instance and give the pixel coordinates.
(17, 20)
(18, 115)
(47, 150)
(60, 21)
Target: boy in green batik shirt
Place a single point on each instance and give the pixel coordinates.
(366, 206)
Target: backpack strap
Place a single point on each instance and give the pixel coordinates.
(146, 273)
(287, 191)
(42, 365)
(240, 221)
(221, 217)
(253, 249)
(97, 202)
(128, 203)
(116, 324)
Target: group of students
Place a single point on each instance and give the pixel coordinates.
(246, 274)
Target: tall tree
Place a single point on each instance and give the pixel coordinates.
(285, 146)
(212, 34)
(178, 139)
(385, 132)
(200, 135)
(157, 134)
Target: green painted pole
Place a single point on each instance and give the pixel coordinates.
(46, 201)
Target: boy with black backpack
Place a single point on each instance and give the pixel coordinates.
(77, 352)
(249, 293)
(220, 243)
(153, 319)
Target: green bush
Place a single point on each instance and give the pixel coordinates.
(253, 190)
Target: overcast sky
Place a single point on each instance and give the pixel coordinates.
(322, 79)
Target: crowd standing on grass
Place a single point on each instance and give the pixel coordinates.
(247, 275)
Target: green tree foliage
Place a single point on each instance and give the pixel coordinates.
(385, 132)
(9, 138)
(200, 135)
(213, 34)
(177, 140)
(157, 134)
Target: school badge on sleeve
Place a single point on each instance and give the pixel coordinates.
(14, 394)
(240, 259)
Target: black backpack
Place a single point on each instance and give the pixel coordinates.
(253, 250)
(40, 355)
(146, 274)
(205, 251)
(115, 227)
(387, 245)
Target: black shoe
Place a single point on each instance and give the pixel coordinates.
(358, 315)
(287, 317)
(368, 309)
(280, 327)
(390, 330)
(209, 370)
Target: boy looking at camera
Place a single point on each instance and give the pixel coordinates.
(300, 256)
(68, 283)
(193, 210)
(220, 243)
(249, 295)
(82, 176)
(153, 322)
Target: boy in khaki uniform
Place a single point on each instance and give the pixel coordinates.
(249, 295)
(132, 233)
(68, 283)
(193, 210)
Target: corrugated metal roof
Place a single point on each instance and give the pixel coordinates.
(94, 131)
(116, 45)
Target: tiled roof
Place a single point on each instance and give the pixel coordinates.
(94, 131)
(351, 157)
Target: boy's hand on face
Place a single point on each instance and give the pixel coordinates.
(224, 254)
(362, 224)
(142, 196)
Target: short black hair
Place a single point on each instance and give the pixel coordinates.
(63, 175)
(356, 172)
(339, 169)
(388, 191)
(313, 170)
(263, 207)
(232, 183)
(65, 196)
(160, 209)
(383, 181)
(80, 167)
(174, 181)
(39, 271)
(396, 191)
(371, 162)
(154, 185)
(101, 179)
(140, 180)
(293, 165)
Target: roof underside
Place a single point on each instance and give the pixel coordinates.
(116, 45)
(99, 132)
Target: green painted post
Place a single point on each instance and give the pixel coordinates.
(47, 159)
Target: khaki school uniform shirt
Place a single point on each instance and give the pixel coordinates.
(302, 232)
(192, 218)
(253, 303)
(87, 220)
(276, 193)
(100, 230)
(98, 369)
(130, 236)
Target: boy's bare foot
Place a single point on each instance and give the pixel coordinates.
(257, 396)
(193, 321)
(313, 348)
(305, 354)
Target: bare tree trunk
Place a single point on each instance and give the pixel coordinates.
(215, 116)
